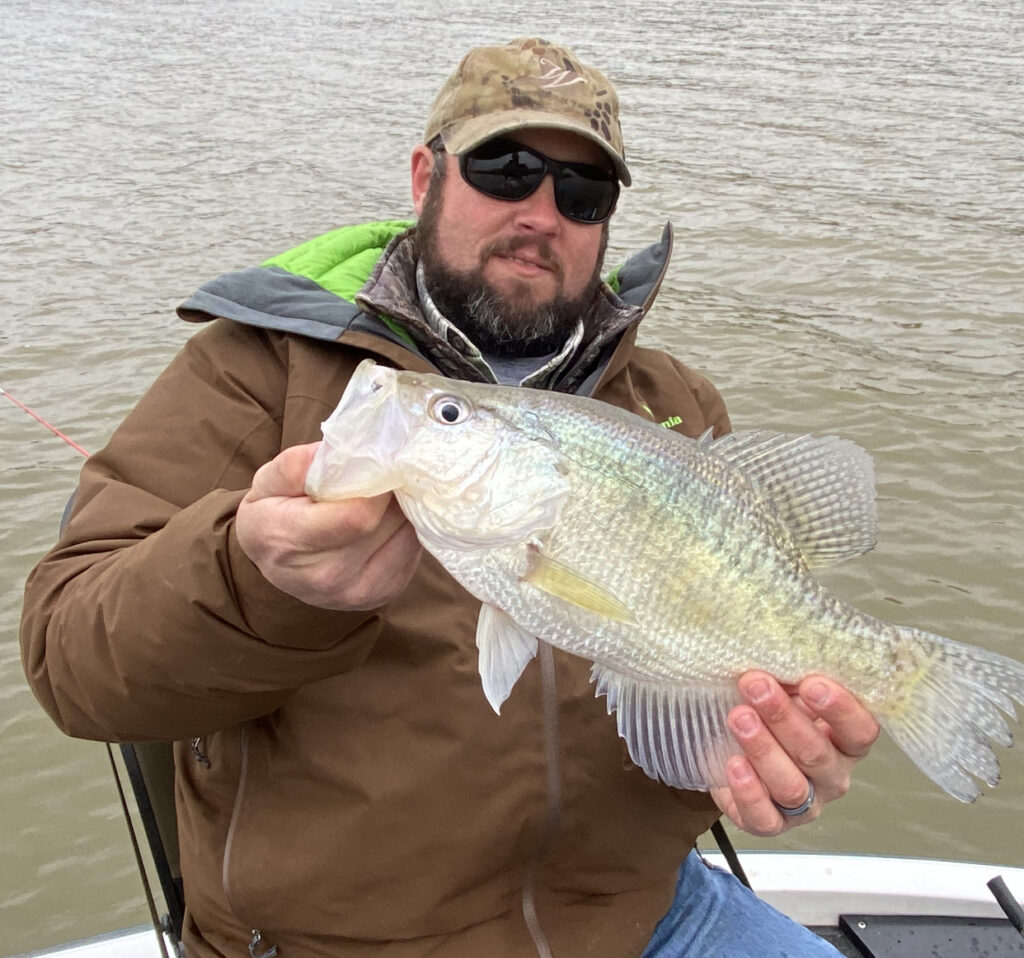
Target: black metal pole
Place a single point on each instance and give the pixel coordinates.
(718, 830)
(1007, 902)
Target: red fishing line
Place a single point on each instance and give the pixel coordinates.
(38, 418)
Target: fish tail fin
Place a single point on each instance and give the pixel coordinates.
(949, 708)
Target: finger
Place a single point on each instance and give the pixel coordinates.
(785, 779)
(387, 571)
(800, 740)
(360, 526)
(372, 531)
(852, 727)
(746, 800)
(298, 533)
(341, 563)
(284, 475)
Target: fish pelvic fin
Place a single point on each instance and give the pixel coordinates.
(676, 732)
(505, 649)
(949, 707)
(822, 488)
(557, 579)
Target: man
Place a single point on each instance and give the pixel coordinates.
(343, 788)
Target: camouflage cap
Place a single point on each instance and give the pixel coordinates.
(526, 83)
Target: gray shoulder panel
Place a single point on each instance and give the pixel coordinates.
(273, 298)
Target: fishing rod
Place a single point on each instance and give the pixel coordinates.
(17, 402)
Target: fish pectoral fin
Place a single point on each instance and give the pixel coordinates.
(675, 731)
(557, 579)
(505, 649)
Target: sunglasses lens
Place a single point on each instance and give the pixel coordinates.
(508, 171)
(585, 197)
(507, 174)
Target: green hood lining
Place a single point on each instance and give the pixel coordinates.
(341, 261)
(310, 289)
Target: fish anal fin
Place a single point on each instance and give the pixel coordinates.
(675, 731)
(505, 649)
(557, 579)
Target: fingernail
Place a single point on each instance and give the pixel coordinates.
(817, 694)
(745, 724)
(758, 691)
(741, 771)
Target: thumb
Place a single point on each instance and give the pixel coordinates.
(284, 475)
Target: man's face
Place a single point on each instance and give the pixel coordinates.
(515, 276)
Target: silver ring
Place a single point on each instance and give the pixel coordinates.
(803, 807)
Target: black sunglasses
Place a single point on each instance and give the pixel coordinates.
(508, 170)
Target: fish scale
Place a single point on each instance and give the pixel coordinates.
(672, 564)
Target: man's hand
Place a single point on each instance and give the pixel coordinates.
(352, 554)
(816, 734)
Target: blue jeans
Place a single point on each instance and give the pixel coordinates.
(714, 915)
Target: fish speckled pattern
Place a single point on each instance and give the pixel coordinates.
(673, 564)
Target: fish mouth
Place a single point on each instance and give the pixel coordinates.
(361, 438)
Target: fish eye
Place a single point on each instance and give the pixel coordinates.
(449, 410)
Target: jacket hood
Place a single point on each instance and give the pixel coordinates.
(361, 279)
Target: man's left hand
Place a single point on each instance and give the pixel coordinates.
(814, 733)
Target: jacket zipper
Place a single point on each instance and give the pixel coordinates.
(196, 748)
(554, 798)
(258, 948)
(242, 773)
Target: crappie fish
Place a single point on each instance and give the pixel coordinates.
(673, 564)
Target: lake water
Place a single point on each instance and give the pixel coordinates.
(846, 180)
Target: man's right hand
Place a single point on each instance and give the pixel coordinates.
(350, 554)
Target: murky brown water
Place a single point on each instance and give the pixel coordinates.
(846, 184)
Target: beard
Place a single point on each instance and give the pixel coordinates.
(508, 325)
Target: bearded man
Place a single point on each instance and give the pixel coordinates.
(342, 786)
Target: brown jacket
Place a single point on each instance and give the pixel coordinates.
(351, 793)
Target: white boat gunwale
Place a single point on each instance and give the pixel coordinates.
(814, 888)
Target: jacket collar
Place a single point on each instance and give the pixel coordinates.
(540, 378)
(392, 291)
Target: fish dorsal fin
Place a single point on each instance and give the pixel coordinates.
(676, 732)
(505, 649)
(822, 488)
(557, 579)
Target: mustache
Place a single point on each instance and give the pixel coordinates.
(515, 244)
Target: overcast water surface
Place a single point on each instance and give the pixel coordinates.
(845, 180)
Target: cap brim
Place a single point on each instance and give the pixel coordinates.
(465, 136)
